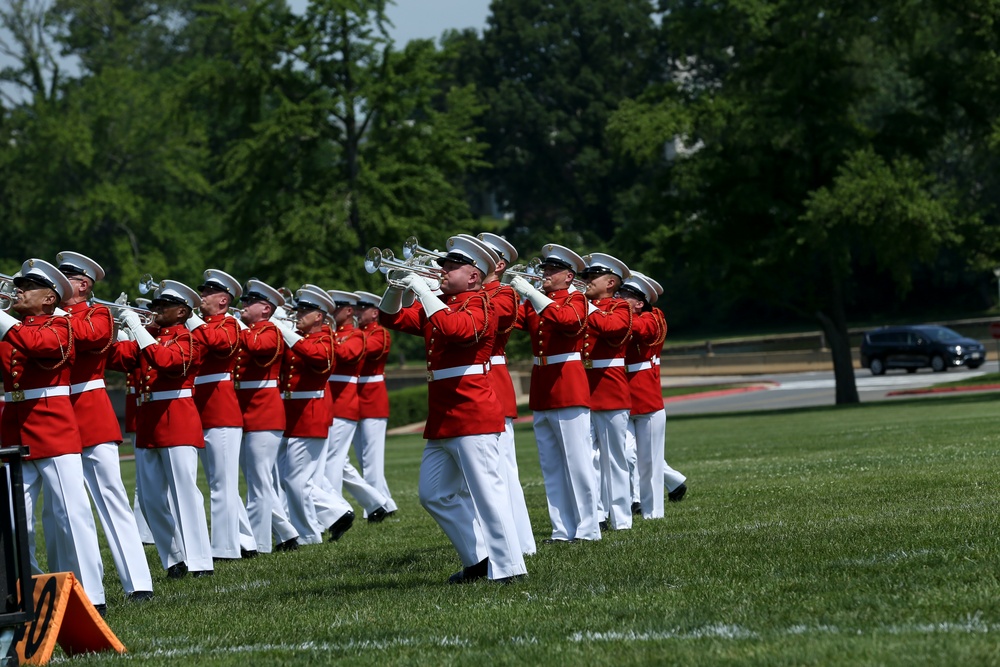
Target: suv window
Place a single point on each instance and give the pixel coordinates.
(880, 338)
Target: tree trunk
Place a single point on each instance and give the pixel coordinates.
(843, 364)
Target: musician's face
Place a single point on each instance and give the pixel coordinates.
(457, 277)
(308, 319)
(366, 315)
(167, 314)
(555, 278)
(255, 311)
(34, 299)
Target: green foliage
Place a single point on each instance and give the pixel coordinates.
(408, 406)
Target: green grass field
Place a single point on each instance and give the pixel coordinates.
(865, 535)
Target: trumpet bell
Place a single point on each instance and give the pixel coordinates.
(146, 284)
(6, 301)
(413, 250)
(373, 259)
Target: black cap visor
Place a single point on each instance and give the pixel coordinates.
(214, 286)
(628, 290)
(35, 280)
(168, 300)
(457, 258)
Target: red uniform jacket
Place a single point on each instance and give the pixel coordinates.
(557, 330)
(307, 367)
(608, 331)
(219, 340)
(132, 381)
(259, 360)
(93, 336)
(34, 354)
(169, 366)
(373, 399)
(349, 350)
(459, 336)
(648, 333)
(504, 301)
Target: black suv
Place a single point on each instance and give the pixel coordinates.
(919, 346)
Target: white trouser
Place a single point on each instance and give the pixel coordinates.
(369, 448)
(341, 473)
(281, 528)
(67, 520)
(257, 457)
(609, 427)
(630, 458)
(518, 507)
(179, 528)
(565, 454)
(221, 460)
(140, 519)
(647, 432)
(103, 475)
(311, 510)
(459, 481)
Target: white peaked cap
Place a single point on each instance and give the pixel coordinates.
(642, 285)
(256, 289)
(341, 298)
(600, 263)
(466, 249)
(222, 280)
(73, 263)
(41, 272)
(314, 297)
(367, 298)
(561, 256)
(501, 246)
(175, 292)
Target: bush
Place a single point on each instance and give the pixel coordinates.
(407, 406)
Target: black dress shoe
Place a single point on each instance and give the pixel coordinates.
(677, 494)
(378, 515)
(139, 596)
(472, 573)
(637, 508)
(603, 526)
(341, 526)
(102, 609)
(513, 579)
(553, 540)
(222, 559)
(202, 573)
(177, 570)
(287, 545)
(248, 553)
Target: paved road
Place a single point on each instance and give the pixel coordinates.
(808, 389)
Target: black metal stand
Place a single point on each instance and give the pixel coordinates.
(15, 566)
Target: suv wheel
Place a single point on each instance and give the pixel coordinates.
(876, 367)
(937, 364)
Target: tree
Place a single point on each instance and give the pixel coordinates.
(552, 73)
(798, 175)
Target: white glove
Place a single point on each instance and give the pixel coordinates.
(6, 322)
(131, 321)
(239, 322)
(572, 288)
(428, 300)
(122, 299)
(280, 313)
(194, 322)
(123, 335)
(288, 333)
(591, 309)
(59, 312)
(392, 301)
(534, 296)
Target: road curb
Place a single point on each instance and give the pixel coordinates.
(759, 386)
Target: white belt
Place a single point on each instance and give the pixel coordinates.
(641, 366)
(457, 371)
(3, 398)
(256, 384)
(498, 360)
(131, 390)
(214, 377)
(31, 394)
(656, 361)
(167, 395)
(604, 363)
(365, 379)
(295, 395)
(89, 385)
(349, 379)
(557, 359)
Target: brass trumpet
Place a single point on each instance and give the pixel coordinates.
(385, 262)
(145, 316)
(146, 284)
(412, 250)
(7, 300)
(529, 271)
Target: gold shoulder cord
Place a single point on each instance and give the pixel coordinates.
(329, 361)
(185, 362)
(615, 306)
(111, 336)
(513, 322)
(486, 314)
(233, 345)
(661, 323)
(280, 350)
(64, 353)
(583, 321)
